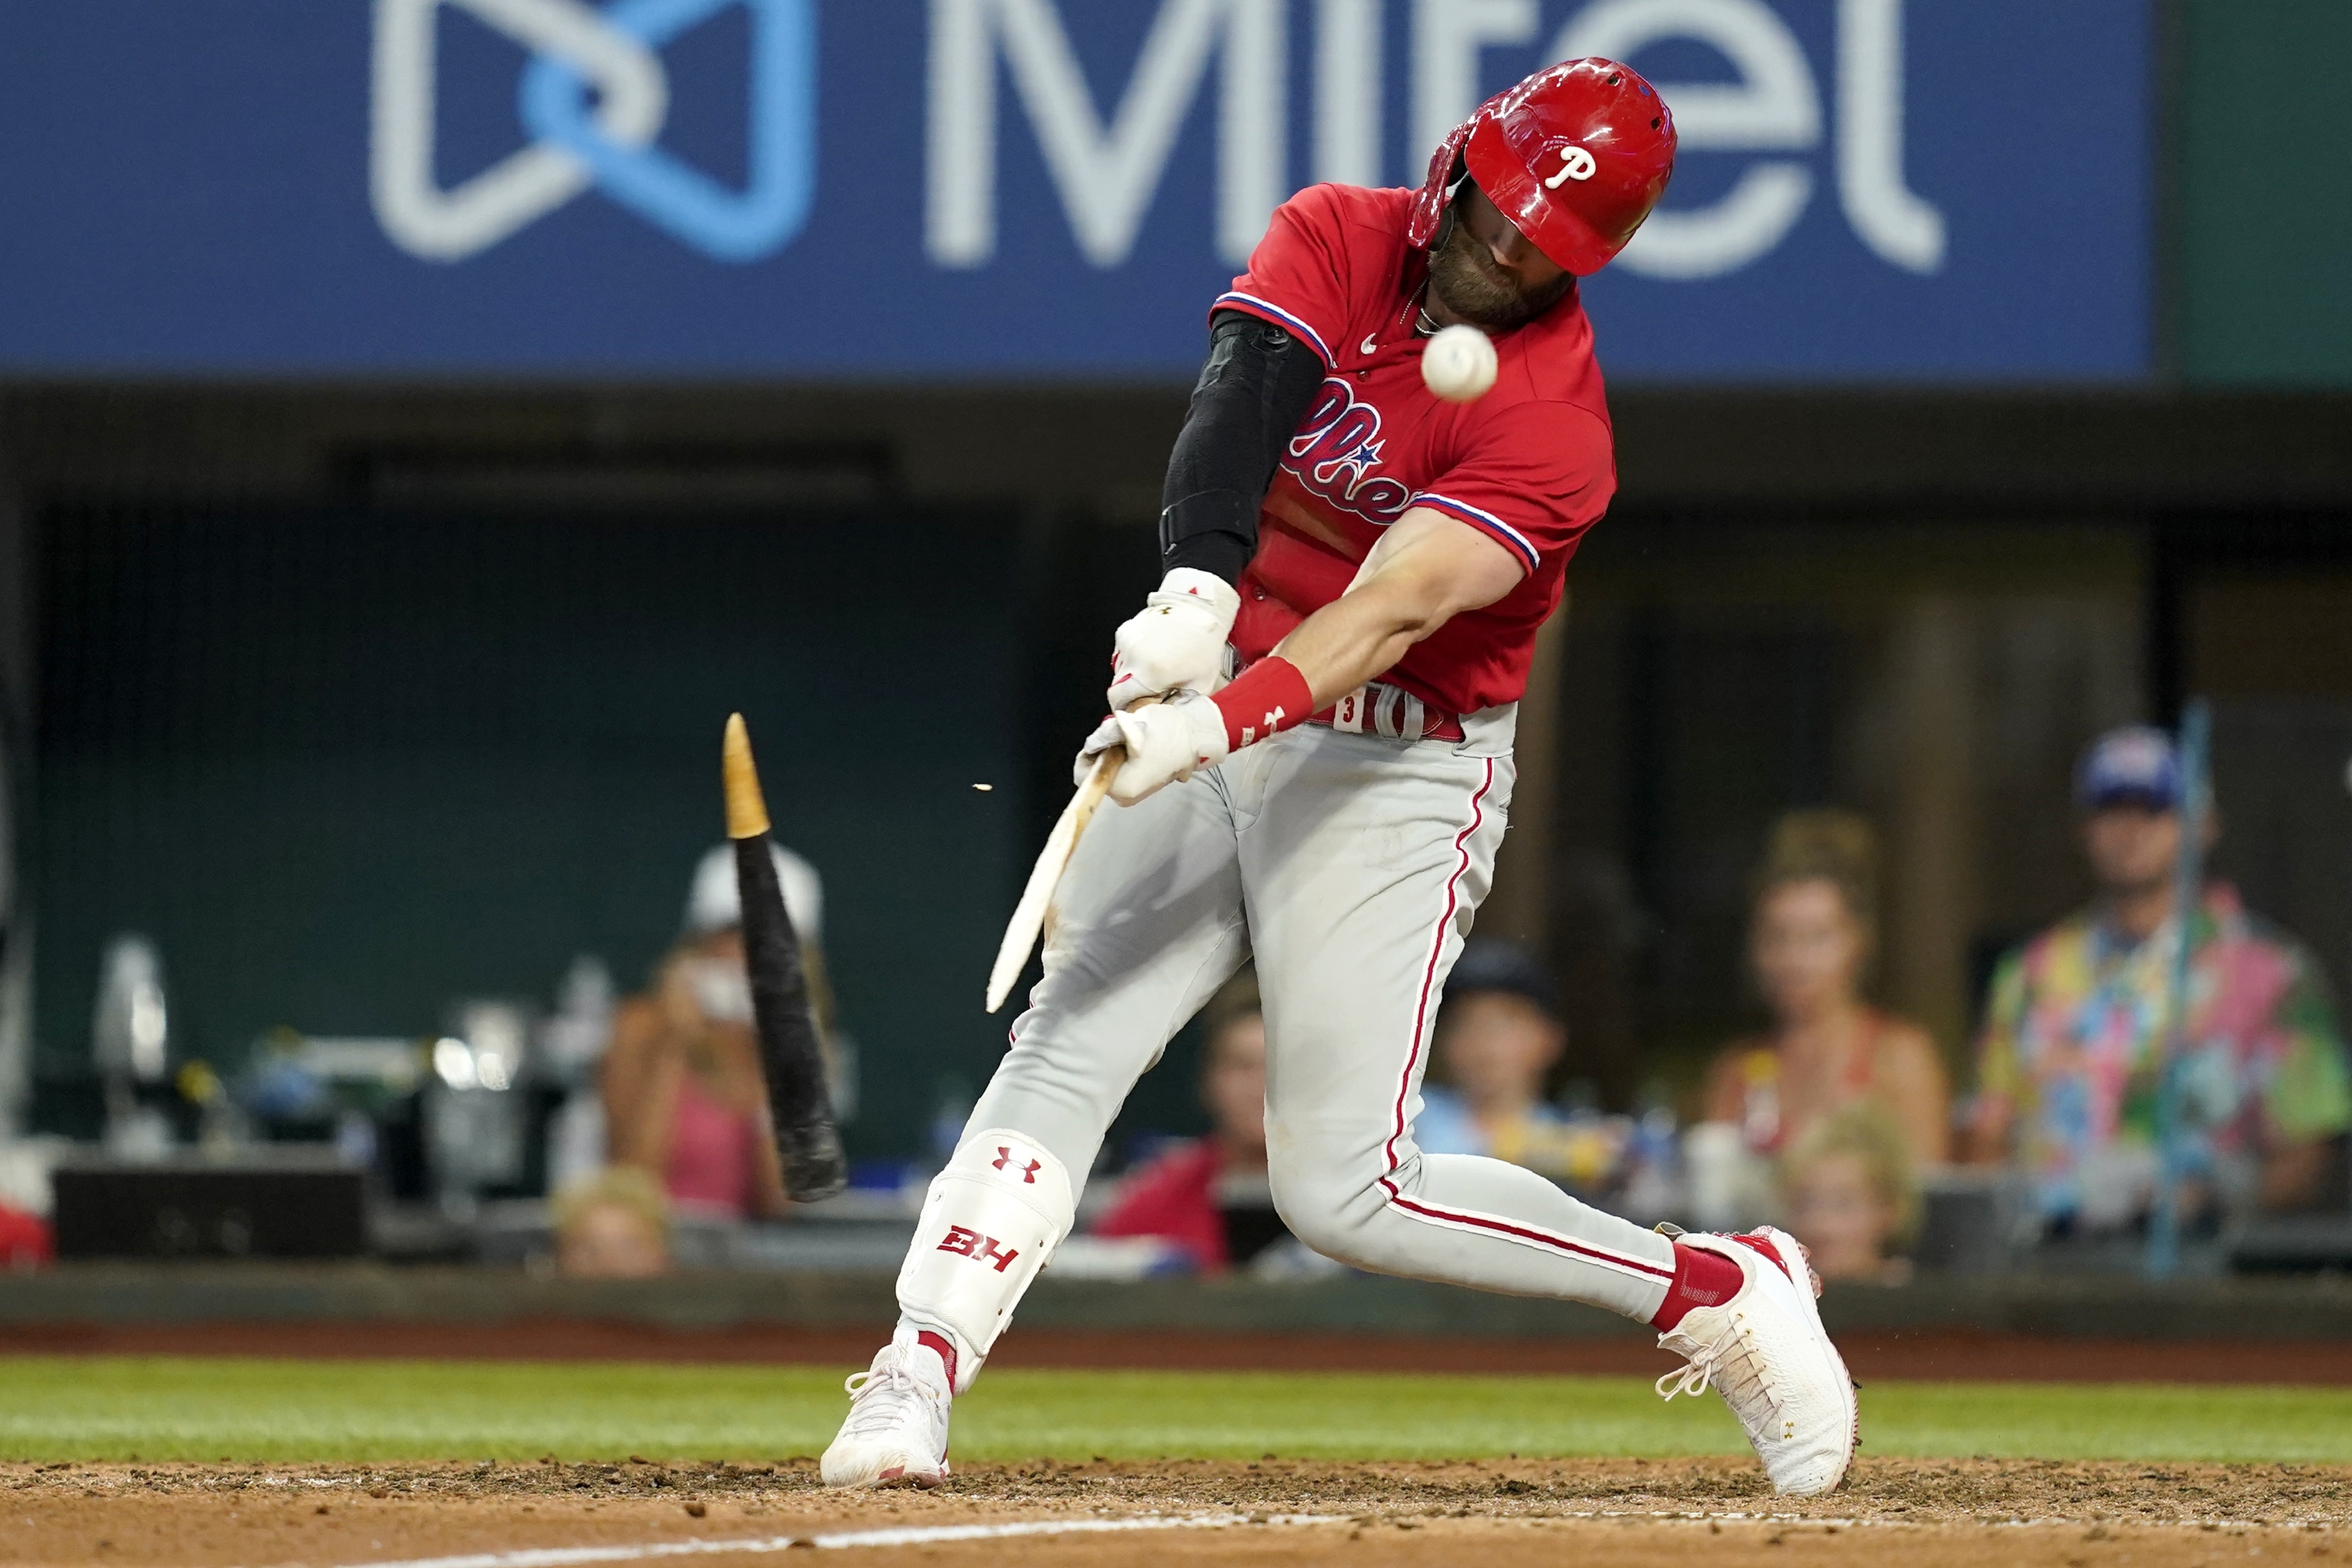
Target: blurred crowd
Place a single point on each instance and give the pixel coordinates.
(1836, 1118)
(2162, 1038)
(2126, 1029)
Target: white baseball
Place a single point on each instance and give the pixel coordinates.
(1458, 364)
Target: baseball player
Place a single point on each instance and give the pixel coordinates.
(1356, 572)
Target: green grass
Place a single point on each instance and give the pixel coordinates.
(205, 1409)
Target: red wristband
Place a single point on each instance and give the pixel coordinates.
(1270, 697)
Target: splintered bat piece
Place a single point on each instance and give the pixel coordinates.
(1029, 914)
(1034, 913)
(800, 1110)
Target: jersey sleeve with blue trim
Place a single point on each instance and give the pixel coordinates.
(1532, 474)
(1298, 275)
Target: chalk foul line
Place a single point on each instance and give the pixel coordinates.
(938, 1534)
(910, 1535)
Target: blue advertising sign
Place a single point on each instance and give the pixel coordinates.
(828, 189)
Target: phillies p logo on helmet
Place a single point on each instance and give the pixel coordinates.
(1575, 163)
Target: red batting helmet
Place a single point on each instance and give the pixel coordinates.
(1576, 155)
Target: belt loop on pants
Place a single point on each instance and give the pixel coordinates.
(1348, 713)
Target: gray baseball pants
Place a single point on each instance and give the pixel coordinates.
(1351, 865)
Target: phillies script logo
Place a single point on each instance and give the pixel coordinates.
(966, 1242)
(1337, 448)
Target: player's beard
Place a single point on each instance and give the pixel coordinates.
(1465, 278)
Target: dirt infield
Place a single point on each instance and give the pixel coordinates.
(1955, 1355)
(1599, 1513)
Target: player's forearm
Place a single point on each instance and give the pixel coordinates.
(1428, 569)
(1360, 637)
(1332, 652)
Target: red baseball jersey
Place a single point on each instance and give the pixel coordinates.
(1531, 464)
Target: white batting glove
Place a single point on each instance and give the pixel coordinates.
(1176, 640)
(1165, 743)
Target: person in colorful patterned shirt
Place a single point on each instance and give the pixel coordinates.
(2069, 1061)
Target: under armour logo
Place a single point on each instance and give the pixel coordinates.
(1575, 163)
(1271, 723)
(968, 1243)
(593, 98)
(1004, 1161)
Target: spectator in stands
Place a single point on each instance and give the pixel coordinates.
(612, 1225)
(1811, 936)
(1210, 1198)
(1853, 1193)
(684, 1100)
(2077, 1027)
(1497, 1039)
(26, 1241)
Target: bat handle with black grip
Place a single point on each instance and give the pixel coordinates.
(799, 1108)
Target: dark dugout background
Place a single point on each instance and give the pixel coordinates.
(347, 766)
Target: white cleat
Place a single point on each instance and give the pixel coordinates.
(897, 1432)
(1765, 1352)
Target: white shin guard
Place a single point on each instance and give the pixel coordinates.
(990, 1221)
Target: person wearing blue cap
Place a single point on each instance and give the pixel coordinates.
(2079, 1018)
(1498, 1037)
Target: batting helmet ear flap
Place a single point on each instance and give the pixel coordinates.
(1435, 198)
(1446, 214)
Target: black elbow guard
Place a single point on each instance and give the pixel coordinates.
(1253, 390)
